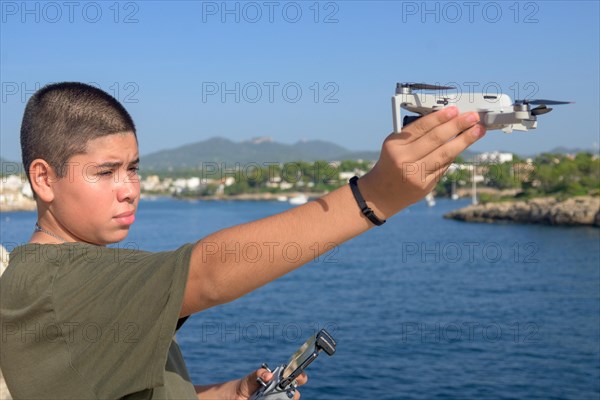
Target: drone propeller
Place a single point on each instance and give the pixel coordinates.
(542, 102)
(523, 105)
(423, 86)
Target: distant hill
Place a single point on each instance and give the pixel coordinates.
(564, 150)
(258, 150)
(567, 150)
(261, 150)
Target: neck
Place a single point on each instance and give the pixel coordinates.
(43, 235)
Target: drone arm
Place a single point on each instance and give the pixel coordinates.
(396, 114)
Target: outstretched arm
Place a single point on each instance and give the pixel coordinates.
(234, 261)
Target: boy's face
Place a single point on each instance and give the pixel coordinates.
(97, 199)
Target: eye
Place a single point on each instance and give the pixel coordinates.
(104, 173)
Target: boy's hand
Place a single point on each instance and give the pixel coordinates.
(414, 160)
(248, 385)
(242, 389)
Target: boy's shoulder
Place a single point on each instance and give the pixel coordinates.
(56, 270)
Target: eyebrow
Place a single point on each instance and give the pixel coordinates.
(117, 164)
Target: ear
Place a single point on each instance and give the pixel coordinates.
(41, 177)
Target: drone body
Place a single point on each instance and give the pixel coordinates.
(495, 111)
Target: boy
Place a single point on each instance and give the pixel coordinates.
(80, 152)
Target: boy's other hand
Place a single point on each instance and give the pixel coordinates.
(242, 389)
(414, 160)
(248, 385)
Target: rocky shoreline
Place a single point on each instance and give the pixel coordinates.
(575, 211)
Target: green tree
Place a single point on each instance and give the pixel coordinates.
(502, 176)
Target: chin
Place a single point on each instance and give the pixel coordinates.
(112, 238)
(120, 237)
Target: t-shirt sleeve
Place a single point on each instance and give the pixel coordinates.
(118, 310)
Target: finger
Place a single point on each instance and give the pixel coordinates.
(444, 155)
(418, 128)
(302, 379)
(249, 384)
(441, 134)
(264, 374)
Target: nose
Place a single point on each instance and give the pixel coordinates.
(128, 189)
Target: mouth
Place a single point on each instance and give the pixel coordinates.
(126, 218)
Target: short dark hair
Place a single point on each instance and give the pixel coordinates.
(61, 118)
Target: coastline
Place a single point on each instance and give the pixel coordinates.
(21, 204)
(574, 211)
(254, 197)
(26, 204)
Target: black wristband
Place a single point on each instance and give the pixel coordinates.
(367, 212)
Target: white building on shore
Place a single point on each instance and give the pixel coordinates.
(494, 157)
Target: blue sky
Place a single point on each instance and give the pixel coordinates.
(191, 70)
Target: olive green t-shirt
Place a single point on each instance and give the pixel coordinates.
(87, 322)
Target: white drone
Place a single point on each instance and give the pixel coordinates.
(495, 111)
